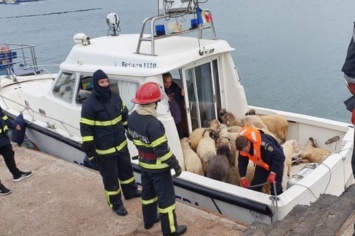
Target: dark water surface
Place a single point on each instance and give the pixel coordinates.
(289, 53)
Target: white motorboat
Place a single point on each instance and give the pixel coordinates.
(180, 39)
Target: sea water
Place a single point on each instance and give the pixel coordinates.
(289, 53)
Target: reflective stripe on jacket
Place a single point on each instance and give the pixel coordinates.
(148, 135)
(102, 121)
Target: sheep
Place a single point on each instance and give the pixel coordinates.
(276, 124)
(218, 166)
(192, 161)
(206, 147)
(314, 154)
(196, 134)
(232, 177)
(289, 147)
(230, 120)
(225, 141)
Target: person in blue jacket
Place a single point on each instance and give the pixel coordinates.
(155, 161)
(8, 153)
(102, 126)
(267, 155)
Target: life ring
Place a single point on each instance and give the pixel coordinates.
(3, 51)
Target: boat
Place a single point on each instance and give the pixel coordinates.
(12, 2)
(180, 39)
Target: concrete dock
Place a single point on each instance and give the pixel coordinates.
(62, 198)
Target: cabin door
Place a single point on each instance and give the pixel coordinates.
(202, 94)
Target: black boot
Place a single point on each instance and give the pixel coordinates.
(181, 229)
(148, 226)
(120, 210)
(137, 194)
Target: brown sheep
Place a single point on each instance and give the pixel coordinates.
(230, 120)
(314, 154)
(196, 134)
(218, 166)
(232, 177)
(227, 142)
(276, 124)
(192, 161)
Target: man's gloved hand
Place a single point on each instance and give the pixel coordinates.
(271, 178)
(177, 169)
(244, 182)
(94, 159)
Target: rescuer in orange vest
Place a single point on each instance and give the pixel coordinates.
(267, 155)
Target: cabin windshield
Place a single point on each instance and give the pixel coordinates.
(64, 87)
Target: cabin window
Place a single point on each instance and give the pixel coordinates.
(127, 91)
(85, 88)
(64, 87)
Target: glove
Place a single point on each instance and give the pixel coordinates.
(94, 159)
(89, 148)
(271, 178)
(178, 170)
(244, 182)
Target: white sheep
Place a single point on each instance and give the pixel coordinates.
(192, 161)
(206, 148)
(289, 148)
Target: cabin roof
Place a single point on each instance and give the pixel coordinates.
(117, 54)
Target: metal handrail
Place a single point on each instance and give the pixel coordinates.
(153, 37)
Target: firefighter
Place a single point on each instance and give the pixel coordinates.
(102, 126)
(155, 161)
(267, 155)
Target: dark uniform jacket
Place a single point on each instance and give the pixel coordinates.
(271, 154)
(148, 135)
(5, 124)
(102, 125)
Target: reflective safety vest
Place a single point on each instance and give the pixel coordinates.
(253, 135)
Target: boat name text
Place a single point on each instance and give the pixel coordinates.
(139, 65)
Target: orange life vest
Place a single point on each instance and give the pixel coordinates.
(253, 135)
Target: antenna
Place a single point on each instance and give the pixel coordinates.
(113, 22)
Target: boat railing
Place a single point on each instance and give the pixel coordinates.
(193, 15)
(18, 59)
(51, 122)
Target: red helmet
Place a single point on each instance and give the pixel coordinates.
(148, 93)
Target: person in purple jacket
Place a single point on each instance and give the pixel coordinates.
(176, 97)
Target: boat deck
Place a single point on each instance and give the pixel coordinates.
(67, 199)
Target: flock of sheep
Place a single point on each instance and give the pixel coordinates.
(211, 151)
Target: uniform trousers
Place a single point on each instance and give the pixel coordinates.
(116, 172)
(159, 185)
(9, 157)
